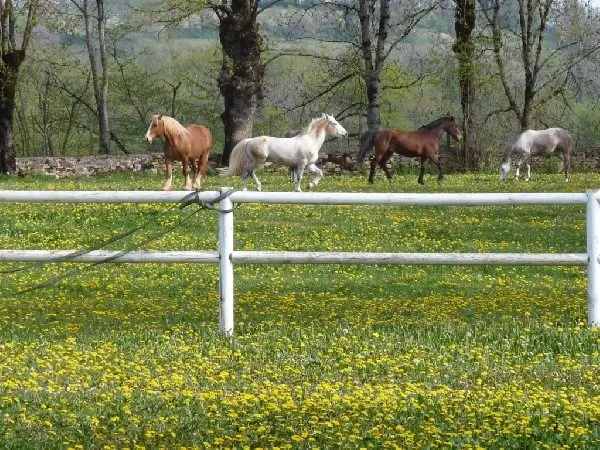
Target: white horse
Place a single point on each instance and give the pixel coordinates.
(299, 152)
(530, 143)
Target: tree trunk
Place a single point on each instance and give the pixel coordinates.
(46, 118)
(241, 78)
(98, 66)
(11, 62)
(373, 60)
(373, 83)
(103, 88)
(464, 48)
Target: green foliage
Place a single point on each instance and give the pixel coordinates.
(395, 102)
(147, 62)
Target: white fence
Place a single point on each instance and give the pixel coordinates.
(226, 256)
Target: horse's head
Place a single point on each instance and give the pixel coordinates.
(333, 126)
(452, 129)
(156, 128)
(504, 167)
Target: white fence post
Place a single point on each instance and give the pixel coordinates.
(225, 265)
(593, 249)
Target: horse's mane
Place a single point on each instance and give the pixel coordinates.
(315, 124)
(172, 127)
(436, 123)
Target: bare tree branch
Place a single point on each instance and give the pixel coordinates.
(323, 92)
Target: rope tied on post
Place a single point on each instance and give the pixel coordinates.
(190, 199)
(194, 198)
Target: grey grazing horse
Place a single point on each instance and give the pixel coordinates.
(533, 143)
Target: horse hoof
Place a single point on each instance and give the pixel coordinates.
(440, 180)
(421, 182)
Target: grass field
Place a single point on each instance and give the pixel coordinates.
(324, 356)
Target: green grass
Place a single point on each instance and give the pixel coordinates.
(323, 356)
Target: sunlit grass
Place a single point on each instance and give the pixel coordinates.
(323, 356)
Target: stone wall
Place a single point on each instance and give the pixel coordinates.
(333, 162)
(67, 166)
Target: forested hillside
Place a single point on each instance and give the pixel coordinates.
(163, 57)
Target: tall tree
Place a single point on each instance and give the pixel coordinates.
(464, 48)
(242, 71)
(546, 70)
(13, 55)
(379, 36)
(96, 47)
(373, 30)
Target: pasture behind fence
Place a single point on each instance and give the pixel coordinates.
(227, 256)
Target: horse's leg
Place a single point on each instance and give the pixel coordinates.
(421, 171)
(256, 181)
(438, 163)
(372, 172)
(168, 174)
(527, 162)
(197, 181)
(293, 174)
(518, 170)
(383, 164)
(300, 170)
(319, 174)
(567, 165)
(186, 174)
(201, 167)
(245, 177)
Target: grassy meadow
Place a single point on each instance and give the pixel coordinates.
(324, 356)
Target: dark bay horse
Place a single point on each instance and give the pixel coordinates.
(422, 143)
(186, 144)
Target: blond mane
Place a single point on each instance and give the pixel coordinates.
(317, 124)
(173, 128)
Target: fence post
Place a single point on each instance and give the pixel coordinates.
(225, 265)
(593, 250)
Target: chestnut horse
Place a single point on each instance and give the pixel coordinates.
(186, 144)
(422, 143)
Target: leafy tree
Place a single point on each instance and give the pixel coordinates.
(370, 31)
(547, 70)
(241, 76)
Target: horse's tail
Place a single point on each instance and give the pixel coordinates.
(238, 160)
(366, 144)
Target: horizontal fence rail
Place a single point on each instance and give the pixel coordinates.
(226, 256)
(300, 198)
(272, 257)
